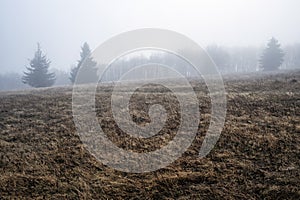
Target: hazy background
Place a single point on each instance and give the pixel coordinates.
(62, 26)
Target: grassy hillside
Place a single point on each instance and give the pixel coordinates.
(257, 155)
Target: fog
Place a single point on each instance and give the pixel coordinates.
(62, 26)
(149, 99)
(234, 33)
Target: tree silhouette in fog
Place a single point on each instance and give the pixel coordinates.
(272, 56)
(37, 74)
(87, 64)
(220, 57)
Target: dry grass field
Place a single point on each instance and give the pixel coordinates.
(256, 157)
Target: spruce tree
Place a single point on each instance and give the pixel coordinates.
(272, 56)
(37, 74)
(88, 66)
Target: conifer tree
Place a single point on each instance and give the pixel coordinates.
(37, 74)
(87, 64)
(272, 56)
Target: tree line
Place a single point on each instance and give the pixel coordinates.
(227, 60)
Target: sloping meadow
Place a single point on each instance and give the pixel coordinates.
(257, 155)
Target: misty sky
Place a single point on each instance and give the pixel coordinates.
(61, 26)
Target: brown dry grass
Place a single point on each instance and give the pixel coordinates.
(257, 156)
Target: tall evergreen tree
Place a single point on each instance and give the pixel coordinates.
(272, 56)
(37, 74)
(87, 65)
